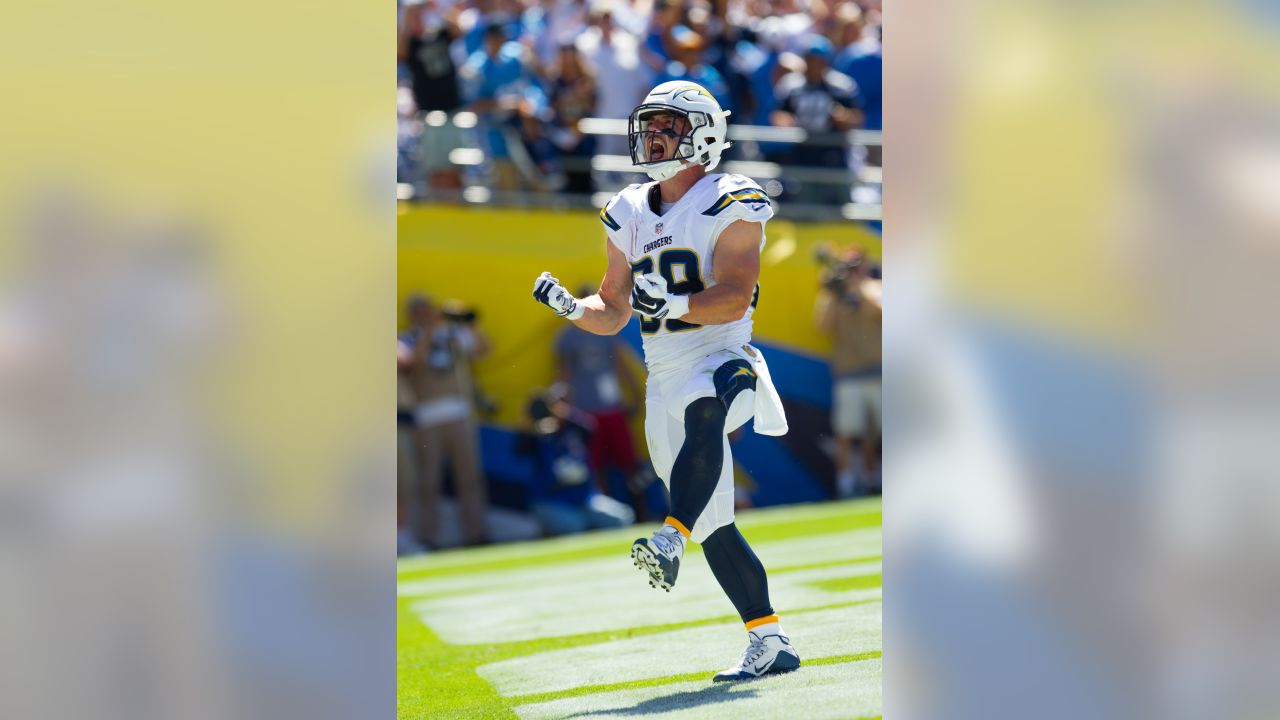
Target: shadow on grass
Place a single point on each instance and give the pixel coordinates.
(685, 700)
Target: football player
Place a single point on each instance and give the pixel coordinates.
(684, 252)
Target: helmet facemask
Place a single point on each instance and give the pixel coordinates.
(644, 138)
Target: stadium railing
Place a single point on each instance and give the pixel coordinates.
(610, 172)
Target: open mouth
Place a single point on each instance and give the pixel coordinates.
(657, 150)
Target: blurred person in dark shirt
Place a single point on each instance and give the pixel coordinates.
(407, 460)
(563, 495)
(849, 308)
(424, 41)
(574, 95)
(425, 38)
(821, 101)
(435, 355)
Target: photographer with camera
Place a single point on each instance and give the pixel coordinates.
(435, 356)
(849, 309)
(563, 496)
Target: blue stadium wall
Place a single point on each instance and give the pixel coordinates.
(488, 258)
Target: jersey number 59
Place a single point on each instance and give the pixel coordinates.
(683, 273)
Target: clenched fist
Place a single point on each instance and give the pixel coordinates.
(548, 291)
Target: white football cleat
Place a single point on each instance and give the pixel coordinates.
(766, 655)
(660, 556)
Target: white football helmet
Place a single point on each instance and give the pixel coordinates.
(701, 144)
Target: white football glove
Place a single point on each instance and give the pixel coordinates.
(548, 291)
(649, 296)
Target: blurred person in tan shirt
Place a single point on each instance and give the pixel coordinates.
(407, 463)
(849, 309)
(434, 355)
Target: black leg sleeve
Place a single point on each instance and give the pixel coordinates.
(739, 572)
(696, 470)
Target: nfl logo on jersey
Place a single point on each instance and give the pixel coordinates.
(657, 229)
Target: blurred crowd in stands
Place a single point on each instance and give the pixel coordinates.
(493, 92)
(573, 456)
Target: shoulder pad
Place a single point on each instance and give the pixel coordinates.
(738, 190)
(608, 220)
(618, 210)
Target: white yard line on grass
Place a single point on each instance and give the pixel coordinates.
(843, 691)
(747, 519)
(842, 631)
(616, 597)
(778, 553)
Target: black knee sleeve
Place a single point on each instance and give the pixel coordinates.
(696, 470)
(739, 572)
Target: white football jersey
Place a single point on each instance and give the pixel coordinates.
(680, 245)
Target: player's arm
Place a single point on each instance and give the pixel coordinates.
(604, 313)
(737, 268)
(609, 310)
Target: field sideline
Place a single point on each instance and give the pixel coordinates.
(568, 628)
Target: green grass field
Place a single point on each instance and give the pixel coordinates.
(569, 628)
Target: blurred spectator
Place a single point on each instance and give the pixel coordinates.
(857, 30)
(708, 21)
(573, 97)
(563, 497)
(425, 38)
(667, 15)
(631, 16)
(815, 64)
(435, 354)
(407, 461)
(408, 137)
(482, 15)
(687, 64)
(849, 308)
(614, 55)
(820, 100)
(594, 375)
(705, 23)
(790, 19)
(509, 102)
(556, 24)
(860, 59)
(757, 61)
(866, 72)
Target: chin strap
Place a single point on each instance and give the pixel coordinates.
(658, 172)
